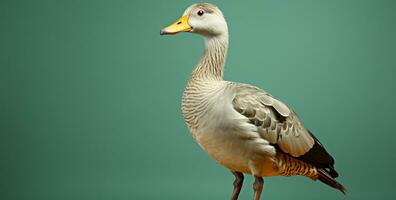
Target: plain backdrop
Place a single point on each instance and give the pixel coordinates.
(90, 96)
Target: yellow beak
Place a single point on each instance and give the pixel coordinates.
(180, 25)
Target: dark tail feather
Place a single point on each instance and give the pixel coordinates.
(333, 173)
(330, 181)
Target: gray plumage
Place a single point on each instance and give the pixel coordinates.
(241, 126)
(275, 121)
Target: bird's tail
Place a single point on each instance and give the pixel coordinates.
(326, 178)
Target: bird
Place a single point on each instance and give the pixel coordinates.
(240, 126)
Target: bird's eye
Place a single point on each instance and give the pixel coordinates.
(200, 12)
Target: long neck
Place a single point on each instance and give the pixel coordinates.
(211, 65)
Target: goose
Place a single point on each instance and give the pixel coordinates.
(240, 126)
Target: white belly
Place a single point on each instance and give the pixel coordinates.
(226, 149)
(237, 153)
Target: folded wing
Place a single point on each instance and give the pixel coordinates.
(280, 126)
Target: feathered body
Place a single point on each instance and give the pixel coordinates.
(225, 117)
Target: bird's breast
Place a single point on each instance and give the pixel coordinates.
(202, 102)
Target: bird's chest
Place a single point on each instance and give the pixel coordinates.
(213, 123)
(205, 106)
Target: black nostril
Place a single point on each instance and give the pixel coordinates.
(178, 22)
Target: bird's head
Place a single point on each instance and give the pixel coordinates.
(202, 18)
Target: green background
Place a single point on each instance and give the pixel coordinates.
(90, 96)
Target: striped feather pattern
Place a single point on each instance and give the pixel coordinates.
(289, 166)
(205, 81)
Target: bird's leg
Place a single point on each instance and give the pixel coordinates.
(258, 187)
(237, 185)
